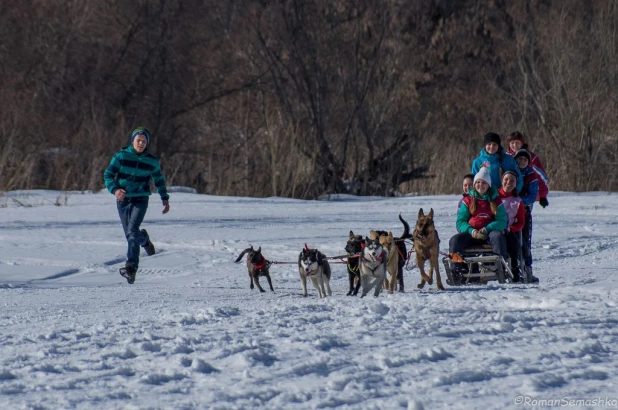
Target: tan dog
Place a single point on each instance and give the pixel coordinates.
(427, 247)
(392, 261)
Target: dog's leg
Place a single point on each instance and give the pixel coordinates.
(400, 278)
(424, 277)
(257, 283)
(420, 262)
(303, 282)
(329, 292)
(317, 285)
(367, 284)
(251, 280)
(434, 264)
(357, 285)
(378, 288)
(270, 282)
(351, 280)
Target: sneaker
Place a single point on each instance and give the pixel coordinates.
(149, 247)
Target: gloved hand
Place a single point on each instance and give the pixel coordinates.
(543, 202)
(480, 234)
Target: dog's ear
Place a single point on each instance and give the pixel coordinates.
(259, 250)
(390, 235)
(351, 234)
(373, 234)
(431, 214)
(420, 213)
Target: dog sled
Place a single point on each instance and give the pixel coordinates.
(482, 266)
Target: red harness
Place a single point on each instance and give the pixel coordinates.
(258, 265)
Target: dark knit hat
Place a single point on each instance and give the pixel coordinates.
(141, 131)
(511, 173)
(492, 137)
(523, 153)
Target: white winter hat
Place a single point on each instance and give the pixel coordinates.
(484, 175)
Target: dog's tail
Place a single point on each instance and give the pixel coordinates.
(406, 229)
(242, 254)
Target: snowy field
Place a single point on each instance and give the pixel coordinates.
(190, 334)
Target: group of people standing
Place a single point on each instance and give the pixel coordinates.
(498, 197)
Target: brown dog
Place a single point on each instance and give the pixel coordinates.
(257, 265)
(392, 261)
(427, 247)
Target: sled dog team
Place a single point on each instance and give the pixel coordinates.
(374, 262)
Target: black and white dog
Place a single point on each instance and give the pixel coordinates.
(372, 265)
(313, 264)
(353, 247)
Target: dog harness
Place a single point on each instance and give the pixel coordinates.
(380, 261)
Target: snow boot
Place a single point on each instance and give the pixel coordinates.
(149, 247)
(129, 272)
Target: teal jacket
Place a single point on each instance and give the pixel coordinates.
(464, 216)
(497, 167)
(132, 172)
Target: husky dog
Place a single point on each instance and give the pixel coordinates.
(427, 247)
(353, 247)
(372, 265)
(401, 250)
(257, 265)
(312, 264)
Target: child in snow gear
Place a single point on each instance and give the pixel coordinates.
(516, 141)
(517, 218)
(494, 157)
(528, 195)
(480, 219)
(128, 178)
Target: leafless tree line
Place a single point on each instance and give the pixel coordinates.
(301, 98)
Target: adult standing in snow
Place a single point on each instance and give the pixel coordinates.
(494, 157)
(128, 178)
(516, 141)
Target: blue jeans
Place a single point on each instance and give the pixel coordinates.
(132, 212)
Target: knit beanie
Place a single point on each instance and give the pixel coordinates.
(141, 131)
(484, 175)
(492, 137)
(523, 153)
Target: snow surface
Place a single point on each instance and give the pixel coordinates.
(190, 334)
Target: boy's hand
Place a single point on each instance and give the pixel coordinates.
(166, 206)
(543, 202)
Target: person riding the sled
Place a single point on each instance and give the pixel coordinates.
(128, 178)
(528, 196)
(517, 217)
(494, 157)
(516, 142)
(468, 182)
(480, 219)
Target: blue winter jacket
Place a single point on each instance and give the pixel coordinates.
(497, 167)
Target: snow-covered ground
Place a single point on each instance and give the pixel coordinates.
(190, 334)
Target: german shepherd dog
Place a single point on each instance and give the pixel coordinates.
(372, 265)
(313, 264)
(402, 253)
(257, 265)
(427, 247)
(353, 247)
